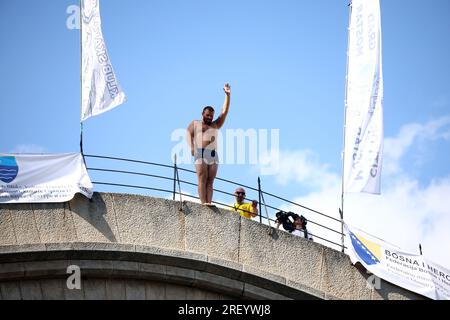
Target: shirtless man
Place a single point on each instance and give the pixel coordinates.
(202, 138)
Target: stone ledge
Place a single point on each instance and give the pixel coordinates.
(131, 232)
(113, 261)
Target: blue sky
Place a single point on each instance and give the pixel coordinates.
(285, 61)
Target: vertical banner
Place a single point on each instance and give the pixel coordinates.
(29, 178)
(364, 100)
(408, 270)
(100, 90)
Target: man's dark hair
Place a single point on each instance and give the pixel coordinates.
(208, 108)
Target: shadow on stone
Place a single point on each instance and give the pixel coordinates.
(273, 233)
(93, 211)
(214, 208)
(186, 210)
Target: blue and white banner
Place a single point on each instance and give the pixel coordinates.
(27, 178)
(364, 100)
(407, 270)
(100, 90)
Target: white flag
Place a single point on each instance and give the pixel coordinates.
(364, 100)
(100, 90)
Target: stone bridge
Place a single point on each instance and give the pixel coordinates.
(139, 247)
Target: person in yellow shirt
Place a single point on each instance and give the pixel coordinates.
(247, 210)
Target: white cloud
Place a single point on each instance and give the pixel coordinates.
(303, 166)
(395, 148)
(28, 148)
(406, 213)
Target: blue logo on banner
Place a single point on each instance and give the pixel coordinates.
(362, 251)
(8, 169)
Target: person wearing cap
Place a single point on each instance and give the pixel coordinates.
(247, 210)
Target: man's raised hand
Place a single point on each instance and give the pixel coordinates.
(227, 88)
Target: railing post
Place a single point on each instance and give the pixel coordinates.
(179, 187)
(342, 229)
(174, 176)
(260, 206)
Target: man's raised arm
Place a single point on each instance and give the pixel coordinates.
(226, 105)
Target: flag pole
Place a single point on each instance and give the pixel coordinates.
(81, 79)
(341, 210)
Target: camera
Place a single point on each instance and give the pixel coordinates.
(287, 219)
(284, 219)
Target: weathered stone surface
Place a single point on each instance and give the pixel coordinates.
(125, 268)
(94, 289)
(94, 220)
(155, 290)
(53, 289)
(341, 279)
(95, 268)
(195, 294)
(150, 271)
(10, 290)
(23, 223)
(74, 294)
(26, 247)
(212, 231)
(54, 222)
(63, 246)
(160, 255)
(31, 290)
(227, 268)
(7, 234)
(34, 269)
(313, 293)
(135, 290)
(176, 292)
(148, 221)
(115, 289)
(218, 283)
(10, 271)
(388, 291)
(180, 275)
(249, 270)
(285, 255)
(253, 292)
(142, 247)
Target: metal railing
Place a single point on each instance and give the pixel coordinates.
(175, 179)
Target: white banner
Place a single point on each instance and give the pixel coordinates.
(407, 270)
(364, 100)
(100, 89)
(26, 178)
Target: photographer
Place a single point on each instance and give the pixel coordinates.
(293, 223)
(300, 228)
(286, 219)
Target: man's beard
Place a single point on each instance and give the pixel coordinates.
(207, 121)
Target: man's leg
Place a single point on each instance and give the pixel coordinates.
(202, 174)
(212, 171)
